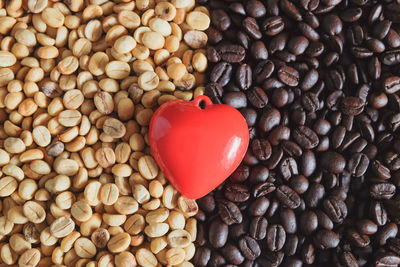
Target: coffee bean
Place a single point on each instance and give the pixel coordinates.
(305, 137)
(382, 191)
(263, 189)
(288, 76)
(288, 168)
(232, 254)
(235, 99)
(259, 207)
(218, 233)
(229, 212)
(258, 228)
(325, 239)
(288, 219)
(290, 10)
(249, 248)
(221, 73)
(314, 195)
(236, 193)
(358, 164)
(251, 27)
(276, 237)
(244, 76)
(336, 209)
(288, 197)
(220, 19)
(273, 25)
(379, 213)
(231, 53)
(332, 162)
(202, 256)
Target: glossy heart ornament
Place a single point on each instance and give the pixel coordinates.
(197, 148)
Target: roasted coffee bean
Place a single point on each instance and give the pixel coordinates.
(249, 248)
(288, 197)
(236, 193)
(276, 237)
(259, 207)
(386, 232)
(220, 19)
(263, 189)
(314, 195)
(290, 10)
(387, 259)
(305, 137)
(332, 162)
(261, 149)
(357, 239)
(218, 233)
(259, 174)
(336, 209)
(288, 219)
(244, 76)
(382, 190)
(231, 53)
(221, 73)
(391, 57)
(258, 228)
(308, 222)
(235, 99)
(269, 119)
(358, 164)
(288, 76)
(229, 212)
(379, 213)
(288, 168)
(325, 239)
(255, 9)
(251, 27)
(257, 97)
(273, 25)
(202, 256)
(232, 254)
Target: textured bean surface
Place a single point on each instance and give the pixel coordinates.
(79, 83)
(318, 84)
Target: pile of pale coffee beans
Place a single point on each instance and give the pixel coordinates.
(79, 83)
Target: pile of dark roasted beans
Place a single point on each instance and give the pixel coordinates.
(318, 83)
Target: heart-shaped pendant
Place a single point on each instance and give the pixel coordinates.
(197, 148)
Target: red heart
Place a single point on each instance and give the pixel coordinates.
(197, 149)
